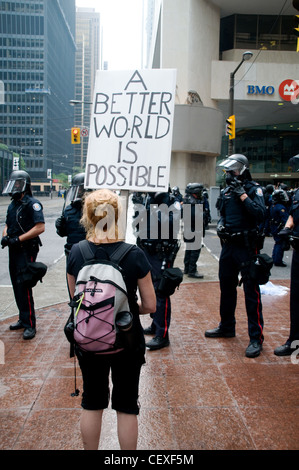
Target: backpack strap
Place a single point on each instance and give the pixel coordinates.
(86, 251)
(116, 256)
(120, 252)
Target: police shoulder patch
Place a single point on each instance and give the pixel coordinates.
(37, 207)
(259, 192)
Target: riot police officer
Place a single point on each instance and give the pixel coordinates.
(264, 226)
(278, 216)
(242, 209)
(177, 194)
(161, 253)
(206, 209)
(291, 232)
(68, 224)
(24, 223)
(194, 196)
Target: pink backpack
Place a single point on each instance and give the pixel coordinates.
(100, 298)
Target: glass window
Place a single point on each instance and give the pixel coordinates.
(268, 149)
(268, 32)
(246, 31)
(288, 40)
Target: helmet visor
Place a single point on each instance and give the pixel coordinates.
(231, 165)
(75, 193)
(15, 186)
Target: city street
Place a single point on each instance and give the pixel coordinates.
(196, 394)
(52, 249)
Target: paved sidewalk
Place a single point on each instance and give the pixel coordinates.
(196, 394)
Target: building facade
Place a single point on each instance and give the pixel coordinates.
(205, 40)
(6, 165)
(87, 63)
(37, 68)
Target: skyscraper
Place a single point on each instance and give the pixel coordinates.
(87, 63)
(37, 67)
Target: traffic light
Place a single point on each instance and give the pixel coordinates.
(75, 135)
(231, 127)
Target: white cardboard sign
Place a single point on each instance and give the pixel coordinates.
(131, 130)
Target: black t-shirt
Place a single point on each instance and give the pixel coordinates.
(134, 265)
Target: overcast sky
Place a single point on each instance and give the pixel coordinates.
(121, 21)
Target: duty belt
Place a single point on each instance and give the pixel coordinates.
(164, 248)
(239, 237)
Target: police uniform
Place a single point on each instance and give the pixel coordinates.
(69, 225)
(237, 229)
(22, 216)
(161, 255)
(191, 256)
(292, 342)
(278, 216)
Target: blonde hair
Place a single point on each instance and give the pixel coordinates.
(100, 216)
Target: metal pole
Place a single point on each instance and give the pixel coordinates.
(231, 110)
(231, 142)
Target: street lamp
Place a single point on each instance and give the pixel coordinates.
(246, 56)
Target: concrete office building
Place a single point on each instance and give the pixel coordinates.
(87, 63)
(205, 40)
(37, 68)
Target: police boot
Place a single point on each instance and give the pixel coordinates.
(196, 275)
(157, 343)
(150, 330)
(29, 333)
(219, 333)
(16, 326)
(254, 349)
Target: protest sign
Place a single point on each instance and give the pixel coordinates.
(131, 130)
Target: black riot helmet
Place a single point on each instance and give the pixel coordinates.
(269, 189)
(19, 182)
(195, 188)
(158, 198)
(76, 191)
(279, 195)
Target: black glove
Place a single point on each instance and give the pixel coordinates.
(220, 230)
(15, 241)
(60, 226)
(4, 241)
(237, 188)
(285, 232)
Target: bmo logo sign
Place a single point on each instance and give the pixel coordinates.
(289, 90)
(256, 90)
